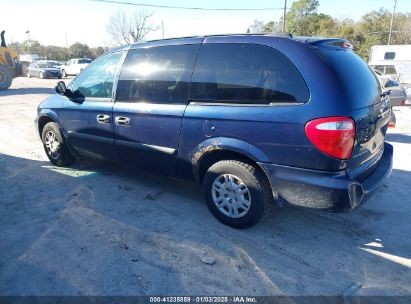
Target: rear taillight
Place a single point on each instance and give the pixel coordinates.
(333, 136)
(403, 103)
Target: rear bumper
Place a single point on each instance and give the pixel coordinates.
(327, 190)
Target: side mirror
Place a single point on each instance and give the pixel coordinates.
(61, 88)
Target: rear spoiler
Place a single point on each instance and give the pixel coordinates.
(326, 42)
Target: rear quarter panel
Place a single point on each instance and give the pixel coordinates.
(276, 130)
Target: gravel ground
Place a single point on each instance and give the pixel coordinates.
(102, 229)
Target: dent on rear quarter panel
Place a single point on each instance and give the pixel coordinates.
(227, 144)
(201, 150)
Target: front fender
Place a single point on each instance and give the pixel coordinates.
(46, 114)
(50, 108)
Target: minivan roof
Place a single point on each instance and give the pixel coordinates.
(317, 41)
(276, 34)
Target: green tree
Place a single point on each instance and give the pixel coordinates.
(372, 29)
(303, 19)
(80, 50)
(33, 46)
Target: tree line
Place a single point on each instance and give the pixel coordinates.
(303, 19)
(51, 52)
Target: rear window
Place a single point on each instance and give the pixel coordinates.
(358, 81)
(246, 74)
(389, 55)
(83, 61)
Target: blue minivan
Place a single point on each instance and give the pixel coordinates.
(253, 118)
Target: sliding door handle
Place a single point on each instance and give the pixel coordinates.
(122, 121)
(101, 118)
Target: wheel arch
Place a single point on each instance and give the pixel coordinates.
(217, 149)
(46, 116)
(42, 121)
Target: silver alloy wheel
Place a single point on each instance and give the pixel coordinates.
(231, 196)
(52, 145)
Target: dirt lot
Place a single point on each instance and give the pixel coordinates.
(98, 229)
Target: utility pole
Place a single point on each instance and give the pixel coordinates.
(392, 21)
(285, 13)
(28, 43)
(162, 27)
(67, 48)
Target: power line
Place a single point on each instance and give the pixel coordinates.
(189, 8)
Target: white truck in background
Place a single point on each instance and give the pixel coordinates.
(74, 66)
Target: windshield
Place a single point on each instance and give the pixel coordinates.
(46, 65)
(84, 61)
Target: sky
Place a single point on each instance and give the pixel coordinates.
(51, 21)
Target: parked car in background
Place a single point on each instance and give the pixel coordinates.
(55, 64)
(43, 69)
(253, 118)
(398, 94)
(74, 66)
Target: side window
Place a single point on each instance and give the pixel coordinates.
(157, 75)
(97, 80)
(389, 55)
(246, 73)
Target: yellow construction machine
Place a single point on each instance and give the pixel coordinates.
(10, 66)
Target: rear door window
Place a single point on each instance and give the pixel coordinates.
(157, 75)
(360, 84)
(246, 74)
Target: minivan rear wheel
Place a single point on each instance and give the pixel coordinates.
(237, 193)
(55, 146)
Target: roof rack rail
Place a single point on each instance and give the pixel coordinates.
(279, 34)
(276, 34)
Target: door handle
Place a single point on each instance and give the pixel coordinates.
(122, 121)
(101, 118)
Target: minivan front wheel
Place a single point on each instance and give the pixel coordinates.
(237, 193)
(56, 148)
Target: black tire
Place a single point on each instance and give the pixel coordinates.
(259, 191)
(63, 73)
(5, 78)
(63, 157)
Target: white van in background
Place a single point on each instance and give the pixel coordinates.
(393, 61)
